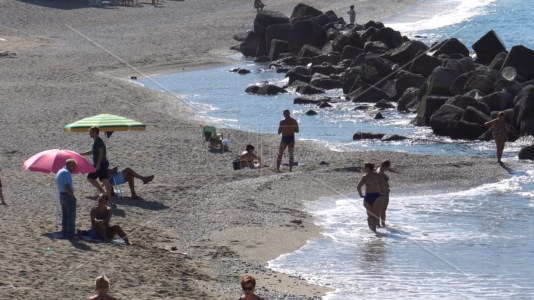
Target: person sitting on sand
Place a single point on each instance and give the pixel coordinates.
(375, 187)
(128, 175)
(248, 284)
(100, 217)
(248, 159)
(102, 289)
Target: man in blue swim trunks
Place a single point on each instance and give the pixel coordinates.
(288, 127)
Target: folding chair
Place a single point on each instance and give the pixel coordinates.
(116, 181)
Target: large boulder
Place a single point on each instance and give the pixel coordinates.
(405, 80)
(250, 45)
(521, 59)
(482, 83)
(309, 51)
(265, 18)
(367, 136)
(473, 115)
(311, 100)
(409, 101)
(375, 68)
(324, 82)
(306, 33)
(349, 77)
(330, 58)
(524, 108)
(367, 94)
(278, 47)
(449, 47)
(348, 38)
(498, 101)
(390, 37)
(303, 11)
(270, 89)
(465, 130)
(440, 119)
(407, 52)
(325, 69)
(441, 79)
(498, 61)
(463, 101)
(377, 47)
(307, 89)
(278, 32)
(298, 73)
(429, 105)
(351, 52)
(487, 47)
(423, 64)
(526, 153)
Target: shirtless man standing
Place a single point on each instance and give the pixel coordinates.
(288, 127)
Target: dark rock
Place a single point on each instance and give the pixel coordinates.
(375, 47)
(524, 109)
(276, 31)
(482, 83)
(393, 137)
(240, 36)
(262, 59)
(324, 105)
(409, 101)
(323, 69)
(311, 100)
(407, 80)
(473, 115)
(351, 52)
(463, 101)
(330, 58)
(439, 121)
(270, 89)
(384, 104)
(309, 51)
(458, 85)
(367, 136)
(449, 47)
(441, 79)
(332, 33)
(526, 153)
(250, 45)
(521, 59)
(498, 61)
(465, 64)
(348, 79)
(303, 11)
(429, 104)
(348, 38)
(373, 24)
(390, 37)
(306, 33)
(265, 18)
(465, 130)
(253, 89)
(324, 82)
(407, 52)
(362, 107)
(378, 116)
(299, 73)
(369, 34)
(487, 47)
(311, 112)
(376, 68)
(424, 64)
(367, 94)
(498, 101)
(512, 87)
(307, 89)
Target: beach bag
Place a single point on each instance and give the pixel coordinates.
(237, 164)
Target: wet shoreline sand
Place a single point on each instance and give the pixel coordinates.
(229, 223)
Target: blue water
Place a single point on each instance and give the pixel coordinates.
(473, 244)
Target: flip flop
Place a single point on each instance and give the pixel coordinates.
(149, 179)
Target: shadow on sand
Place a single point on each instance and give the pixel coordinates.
(59, 4)
(138, 202)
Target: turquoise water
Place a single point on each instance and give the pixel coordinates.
(473, 244)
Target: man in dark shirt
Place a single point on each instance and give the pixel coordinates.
(100, 162)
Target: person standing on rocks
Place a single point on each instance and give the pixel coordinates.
(498, 131)
(288, 127)
(352, 15)
(258, 5)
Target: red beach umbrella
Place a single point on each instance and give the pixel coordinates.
(54, 160)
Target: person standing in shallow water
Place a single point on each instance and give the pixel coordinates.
(384, 166)
(375, 187)
(498, 131)
(288, 127)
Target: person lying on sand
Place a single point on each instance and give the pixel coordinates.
(128, 175)
(102, 289)
(100, 217)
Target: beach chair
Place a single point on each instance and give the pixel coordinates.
(212, 137)
(117, 181)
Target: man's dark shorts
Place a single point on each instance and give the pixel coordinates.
(101, 173)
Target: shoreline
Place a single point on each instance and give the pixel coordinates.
(228, 223)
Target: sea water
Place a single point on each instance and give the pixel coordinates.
(463, 245)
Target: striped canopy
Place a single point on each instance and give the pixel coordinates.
(106, 123)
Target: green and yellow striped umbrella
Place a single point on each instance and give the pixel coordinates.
(106, 123)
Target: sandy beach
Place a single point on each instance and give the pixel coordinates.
(199, 225)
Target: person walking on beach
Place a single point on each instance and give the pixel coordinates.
(100, 217)
(2, 194)
(352, 15)
(248, 284)
(288, 127)
(67, 199)
(100, 162)
(498, 131)
(375, 187)
(384, 166)
(101, 289)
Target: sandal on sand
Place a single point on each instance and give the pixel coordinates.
(148, 179)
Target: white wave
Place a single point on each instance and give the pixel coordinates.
(448, 13)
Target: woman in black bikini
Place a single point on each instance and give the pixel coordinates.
(375, 186)
(498, 131)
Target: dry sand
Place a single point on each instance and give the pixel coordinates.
(67, 61)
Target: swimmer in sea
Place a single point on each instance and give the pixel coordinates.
(375, 187)
(288, 127)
